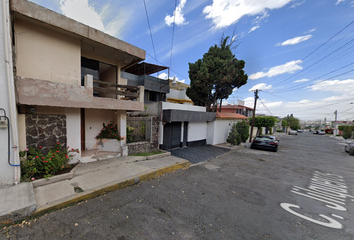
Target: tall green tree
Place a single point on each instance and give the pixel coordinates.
(293, 122)
(214, 77)
(267, 121)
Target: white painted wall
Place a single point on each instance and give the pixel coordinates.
(6, 171)
(187, 107)
(197, 131)
(218, 131)
(73, 128)
(94, 118)
(179, 94)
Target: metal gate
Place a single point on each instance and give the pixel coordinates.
(172, 135)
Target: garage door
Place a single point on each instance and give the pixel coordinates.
(171, 135)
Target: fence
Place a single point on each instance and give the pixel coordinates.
(138, 129)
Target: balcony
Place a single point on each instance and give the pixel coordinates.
(35, 92)
(150, 83)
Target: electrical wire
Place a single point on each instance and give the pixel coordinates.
(265, 107)
(148, 21)
(173, 31)
(317, 48)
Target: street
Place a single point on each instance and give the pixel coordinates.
(303, 191)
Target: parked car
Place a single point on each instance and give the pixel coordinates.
(292, 132)
(349, 148)
(265, 142)
(300, 130)
(315, 132)
(321, 133)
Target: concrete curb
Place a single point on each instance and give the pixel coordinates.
(107, 188)
(57, 178)
(161, 155)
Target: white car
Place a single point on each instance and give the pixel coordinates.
(292, 132)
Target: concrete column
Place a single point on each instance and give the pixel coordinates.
(141, 93)
(121, 120)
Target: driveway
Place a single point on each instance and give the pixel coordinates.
(199, 153)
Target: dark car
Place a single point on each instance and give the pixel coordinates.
(349, 148)
(265, 142)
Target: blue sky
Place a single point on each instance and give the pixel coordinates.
(300, 53)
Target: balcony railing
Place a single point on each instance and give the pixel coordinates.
(149, 82)
(128, 92)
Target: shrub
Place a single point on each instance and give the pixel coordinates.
(347, 132)
(109, 131)
(38, 164)
(243, 128)
(234, 137)
(280, 131)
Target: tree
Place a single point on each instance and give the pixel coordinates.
(293, 122)
(214, 77)
(347, 132)
(243, 128)
(267, 122)
(234, 137)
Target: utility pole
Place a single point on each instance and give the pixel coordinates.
(335, 132)
(254, 112)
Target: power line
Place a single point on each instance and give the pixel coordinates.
(173, 31)
(265, 107)
(164, 64)
(317, 48)
(148, 21)
(314, 63)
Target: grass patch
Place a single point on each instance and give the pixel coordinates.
(147, 154)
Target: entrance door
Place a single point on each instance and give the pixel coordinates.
(172, 135)
(82, 120)
(185, 134)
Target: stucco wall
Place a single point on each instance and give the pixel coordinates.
(109, 76)
(46, 55)
(168, 105)
(197, 131)
(6, 171)
(93, 124)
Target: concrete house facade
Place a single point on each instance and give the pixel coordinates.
(67, 81)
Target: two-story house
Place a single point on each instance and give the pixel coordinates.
(67, 79)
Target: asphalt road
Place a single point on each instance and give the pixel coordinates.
(247, 194)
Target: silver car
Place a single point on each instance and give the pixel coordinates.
(349, 148)
(292, 132)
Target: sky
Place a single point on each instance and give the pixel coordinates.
(299, 54)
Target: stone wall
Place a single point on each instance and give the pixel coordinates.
(45, 130)
(147, 146)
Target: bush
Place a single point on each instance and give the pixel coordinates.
(109, 131)
(280, 131)
(347, 132)
(234, 137)
(239, 133)
(37, 164)
(243, 128)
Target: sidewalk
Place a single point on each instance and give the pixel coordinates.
(85, 181)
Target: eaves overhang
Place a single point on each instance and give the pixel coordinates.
(174, 115)
(91, 38)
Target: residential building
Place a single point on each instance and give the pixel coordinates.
(68, 82)
(237, 108)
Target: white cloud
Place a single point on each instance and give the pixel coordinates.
(289, 67)
(311, 30)
(88, 15)
(81, 11)
(339, 86)
(224, 13)
(302, 80)
(294, 40)
(177, 16)
(164, 76)
(253, 29)
(339, 1)
(297, 4)
(260, 86)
